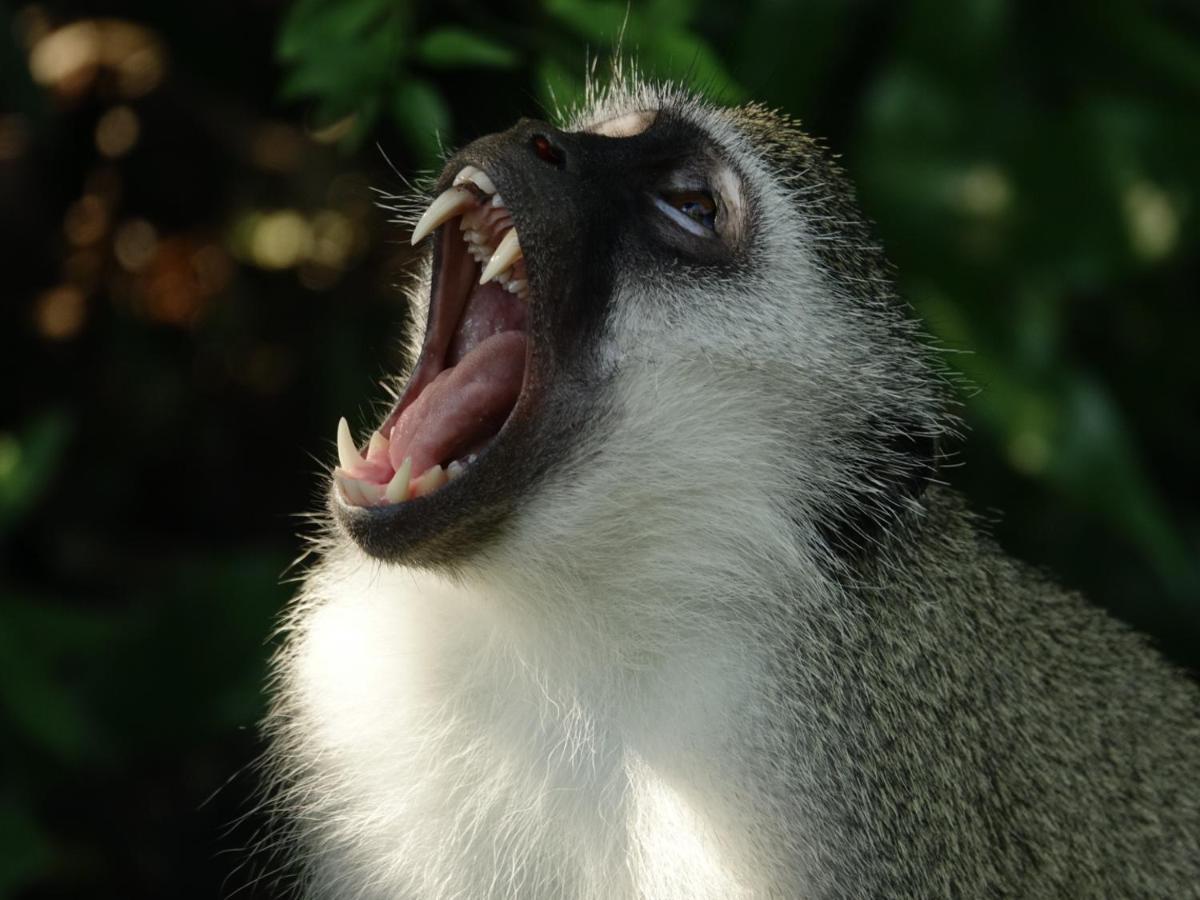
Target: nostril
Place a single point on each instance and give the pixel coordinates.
(545, 150)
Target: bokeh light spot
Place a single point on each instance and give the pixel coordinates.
(59, 313)
(86, 221)
(1152, 221)
(280, 240)
(134, 244)
(117, 131)
(985, 191)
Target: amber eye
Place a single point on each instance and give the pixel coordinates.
(694, 210)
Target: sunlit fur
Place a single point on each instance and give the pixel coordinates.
(664, 682)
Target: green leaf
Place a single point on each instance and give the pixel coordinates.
(28, 461)
(598, 22)
(558, 89)
(313, 24)
(27, 850)
(423, 116)
(453, 47)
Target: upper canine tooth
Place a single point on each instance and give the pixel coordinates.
(448, 205)
(483, 182)
(506, 253)
(348, 456)
(465, 174)
(477, 177)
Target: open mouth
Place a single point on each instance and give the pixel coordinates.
(473, 364)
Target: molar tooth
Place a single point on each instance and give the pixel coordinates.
(449, 204)
(397, 488)
(517, 285)
(454, 470)
(507, 253)
(348, 456)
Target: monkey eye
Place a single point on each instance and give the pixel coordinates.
(696, 211)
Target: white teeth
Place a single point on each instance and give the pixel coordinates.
(357, 492)
(454, 470)
(497, 200)
(445, 207)
(397, 488)
(477, 177)
(507, 253)
(378, 446)
(372, 493)
(348, 456)
(349, 488)
(465, 174)
(517, 285)
(431, 480)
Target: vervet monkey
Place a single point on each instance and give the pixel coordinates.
(646, 587)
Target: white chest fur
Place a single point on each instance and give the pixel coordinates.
(443, 758)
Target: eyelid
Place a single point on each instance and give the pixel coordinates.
(686, 222)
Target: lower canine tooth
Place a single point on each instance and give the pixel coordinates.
(397, 488)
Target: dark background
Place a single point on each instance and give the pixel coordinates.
(198, 282)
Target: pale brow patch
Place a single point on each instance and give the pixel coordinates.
(728, 187)
(627, 125)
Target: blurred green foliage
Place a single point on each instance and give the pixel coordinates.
(1033, 170)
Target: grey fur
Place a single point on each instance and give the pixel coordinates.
(736, 641)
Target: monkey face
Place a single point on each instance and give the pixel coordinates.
(527, 229)
(664, 313)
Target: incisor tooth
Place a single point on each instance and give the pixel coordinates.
(507, 253)
(449, 204)
(347, 453)
(349, 488)
(397, 489)
(372, 493)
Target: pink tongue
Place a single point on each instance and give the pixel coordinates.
(464, 405)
